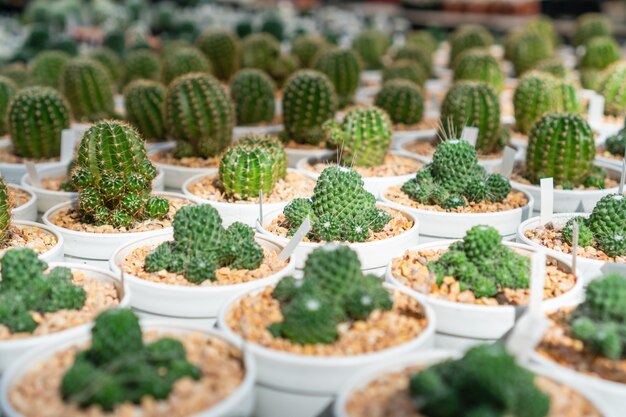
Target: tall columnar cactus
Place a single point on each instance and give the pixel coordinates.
(536, 94)
(36, 117)
(144, 101)
(480, 65)
(402, 100)
(307, 47)
(371, 45)
(259, 50)
(7, 91)
(87, 87)
(255, 163)
(473, 104)
(364, 136)
(600, 52)
(5, 211)
(110, 61)
(560, 146)
(530, 48)
(221, 48)
(423, 38)
(415, 53)
(282, 67)
(591, 25)
(252, 92)
(113, 176)
(184, 61)
(199, 115)
(612, 85)
(142, 64)
(468, 37)
(309, 100)
(343, 68)
(47, 67)
(405, 70)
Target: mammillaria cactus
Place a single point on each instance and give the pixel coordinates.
(309, 100)
(416, 54)
(255, 163)
(468, 37)
(402, 100)
(142, 64)
(343, 68)
(600, 52)
(201, 245)
(591, 25)
(7, 91)
(612, 85)
(259, 50)
(36, 117)
(364, 136)
(536, 94)
(307, 47)
(405, 70)
(113, 176)
(199, 116)
(144, 101)
(47, 67)
(480, 65)
(222, 50)
(371, 45)
(184, 61)
(529, 49)
(87, 87)
(110, 61)
(252, 92)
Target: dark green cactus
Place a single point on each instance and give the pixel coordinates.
(480, 65)
(343, 68)
(87, 87)
(7, 90)
(530, 48)
(282, 67)
(199, 115)
(144, 101)
(591, 25)
(273, 25)
(253, 92)
(405, 70)
(616, 144)
(468, 37)
(371, 45)
(142, 64)
(402, 100)
(307, 47)
(536, 94)
(417, 54)
(184, 61)
(607, 223)
(113, 176)
(259, 50)
(47, 67)
(110, 61)
(585, 235)
(221, 48)
(612, 85)
(364, 136)
(600, 52)
(36, 117)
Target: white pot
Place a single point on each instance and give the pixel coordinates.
(240, 402)
(183, 301)
(486, 323)
(13, 173)
(11, 350)
(295, 155)
(96, 246)
(373, 255)
(28, 210)
(372, 76)
(55, 254)
(240, 131)
(174, 175)
(47, 199)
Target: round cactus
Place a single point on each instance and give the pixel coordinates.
(536, 94)
(221, 49)
(591, 25)
(87, 87)
(47, 67)
(530, 48)
(600, 52)
(308, 101)
(307, 47)
(144, 101)
(405, 70)
(480, 65)
(612, 85)
(423, 38)
(417, 54)
(343, 68)
(142, 64)
(371, 45)
(402, 100)
(7, 91)
(110, 61)
(468, 37)
(568, 97)
(282, 67)
(16, 72)
(454, 165)
(5, 211)
(553, 66)
(184, 61)
(199, 115)
(252, 92)
(259, 50)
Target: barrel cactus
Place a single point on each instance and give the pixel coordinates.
(144, 101)
(480, 65)
(371, 45)
(405, 70)
(87, 87)
(530, 49)
(16, 72)
(282, 67)
(259, 50)
(110, 61)
(607, 224)
(600, 52)
(221, 48)
(343, 68)
(536, 94)
(568, 97)
(199, 116)
(47, 67)
(184, 61)
(402, 100)
(5, 211)
(612, 85)
(307, 47)
(591, 25)
(253, 92)
(423, 38)
(142, 64)
(415, 53)
(7, 91)
(468, 37)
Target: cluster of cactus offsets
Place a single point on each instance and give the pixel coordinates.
(332, 290)
(309, 100)
(202, 245)
(119, 367)
(454, 178)
(371, 45)
(259, 50)
(600, 53)
(199, 115)
(536, 94)
(110, 61)
(7, 91)
(600, 321)
(402, 100)
(423, 38)
(612, 85)
(468, 37)
(343, 68)
(26, 289)
(530, 48)
(142, 65)
(473, 104)
(184, 61)
(487, 381)
(255, 163)
(87, 87)
(340, 208)
(47, 67)
(307, 47)
(113, 176)
(591, 25)
(252, 92)
(405, 70)
(417, 54)
(36, 117)
(480, 65)
(221, 49)
(364, 136)
(144, 101)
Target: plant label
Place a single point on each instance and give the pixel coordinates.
(596, 109)
(622, 177)
(33, 175)
(261, 207)
(508, 160)
(68, 143)
(470, 134)
(575, 228)
(302, 231)
(547, 200)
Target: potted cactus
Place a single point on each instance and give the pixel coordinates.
(183, 61)
(253, 93)
(343, 67)
(589, 26)
(142, 64)
(468, 37)
(144, 102)
(152, 366)
(47, 66)
(221, 48)
(371, 45)
(613, 150)
(258, 50)
(599, 53)
(480, 65)
(611, 86)
(39, 306)
(8, 88)
(314, 326)
(307, 48)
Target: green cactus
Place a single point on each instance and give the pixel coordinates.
(307, 47)
(530, 48)
(585, 235)
(480, 65)
(612, 85)
(417, 54)
(589, 78)
(616, 144)
(468, 37)
(423, 38)
(600, 52)
(184, 61)
(252, 91)
(221, 48)
(87, 87)
(110, 61)
(405, 70)
(6, 205)
(553, 66)
(536, 94)
(47, 67)
(273, 25)
(16, 72)
(142, 64)
(309, 100)
(244, 28)
(144, 101)
(589, 26)
(199, 115)
(371, 45)
(606, 222)
(402, 100)
(258, 51)
(282, 67)
(7, 90)
(568, 97)
(343, 68)
(113, 176)
(364, 136)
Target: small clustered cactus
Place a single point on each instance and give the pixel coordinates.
(536, 94)
(589, 26)
(402, 100)
(258, 51)
(47, 67)
(480, 65)
(343, 68)
(119, 367)
(340, 208)
(332, 290)
(184, 61)
(612, 85)
(253, 92)
(144, 101)
(7, 90)
(371, 45)
(202, 245)
(405, 70)
(87, 87)
(221, 49)
(468, 37)
(142, 64)
(307, 48)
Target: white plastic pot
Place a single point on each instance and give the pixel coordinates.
(13, 172)
(240, 131)
(372, 77)
(183, 301)
(295, 155)
(307, 384)
(174, 175)
(28, 210)
(55, 254)
(373, 255)
(240, 402)
(11, 350)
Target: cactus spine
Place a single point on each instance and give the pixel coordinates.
(7, 91)
(252, 92)
(142, 64)
(612, 85)
(87, 87)
(402, 100)
(184, 61)
(343, 68)
(468, 37)
(221, 49)
(307, 48)
(371, 45)
(259, 50)
(536, 94)
(145, 101)
(479, 65)
(47, 67)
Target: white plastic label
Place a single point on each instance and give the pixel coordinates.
(575, 228)
(261, 207)
(33, 175)
(596, 109)
(622, 177)
(547, 200)
(302, 231)
(508, 160)
(68, 142)
(470, 134)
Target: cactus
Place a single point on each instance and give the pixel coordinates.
(585, 235)
(309, 100)
(244, 28)
(184, 61)
(255, 163)
(405, 70)
(473, 104)
(282, 67)
(417, 54)
(87, 87)
(142, 64)
(114, 176)
(110, 61)
(423, 38)
(536, 94)
(479, 65)
(307, 47)
(568, 97)
(468, 37)
(5, 212)
(402, 100)
(252, 91)
(144, 101)
(7, 90)
(606, 222)
(364, 136)
(616, 144)
(612, 85)
(530, 48)
(343, 68)
(371, 45)
(259, 50)
(16, 72)
(273, 25)
(47, 67)
(221, 49)
(600, 52)
(199, 115)
(589, 26)
(553, 66)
